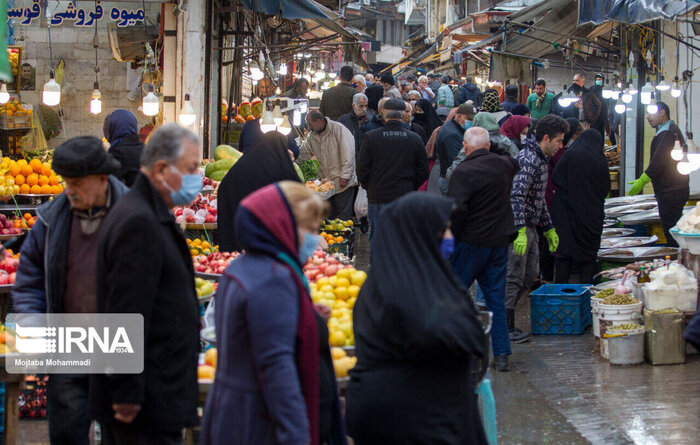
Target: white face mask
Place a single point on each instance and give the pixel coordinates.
(523, 137)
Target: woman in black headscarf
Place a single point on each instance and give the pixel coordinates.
(582, 180)
(121, 130)
(416, 332)
(266, 163)
(425, 116)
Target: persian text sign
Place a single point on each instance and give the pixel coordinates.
(79, 17)
(74, 343)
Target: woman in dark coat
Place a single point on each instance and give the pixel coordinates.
(121, 130)
(515, 127)
(266, 163)
(274, 380)
(416, 333)
(582, 182)
(424, 115)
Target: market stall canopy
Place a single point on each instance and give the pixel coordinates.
(631, 11)
(297, 9)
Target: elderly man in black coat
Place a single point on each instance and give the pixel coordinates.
(144, 267)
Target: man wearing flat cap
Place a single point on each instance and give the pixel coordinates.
(57, 272)
(392, 161)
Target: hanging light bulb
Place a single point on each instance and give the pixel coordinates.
(677, 152)
(283, 69)
(564, 99)
(607, 92)
(632, 89)
(326, 85)
(4, 95)
(150, 104)
(626, 97)
(332, 75)
(646, 92)
(615, 95)
(675, 91)
(663, 86)
(278, 91)
(684, 167)
(96, 101)
(51, 94)
(187, 113)
(652, 108)
(267, 122)
(286, 127)
(277, 115)
(620, 107)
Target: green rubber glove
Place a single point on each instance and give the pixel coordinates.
(638, 184)
(520, 243)
(552, 239)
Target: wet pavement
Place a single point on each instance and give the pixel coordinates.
(560, 392)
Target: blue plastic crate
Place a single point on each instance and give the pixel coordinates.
(639, 229)
(560, 309)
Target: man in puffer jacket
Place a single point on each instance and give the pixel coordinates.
(470, 92)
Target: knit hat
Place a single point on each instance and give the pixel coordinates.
(83, 156)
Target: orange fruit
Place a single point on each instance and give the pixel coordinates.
(19, 179)
(210, 357)
(35, 164)
(55, 190)
(32, 179)
(43, 180)
(46, 170)
(31, 223)
(45, 189)
(26, 170)
(17, 223)
(205, 372)
(36, 190)
(27, 216)
(24, 189)
(53, 179)
(15, 169)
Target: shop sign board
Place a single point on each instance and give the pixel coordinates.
(80, 17)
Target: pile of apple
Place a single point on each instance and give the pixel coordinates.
(8, 268)
(208, 184)
(202, 211)
(8, 226)
(214, 263)
(323, 264)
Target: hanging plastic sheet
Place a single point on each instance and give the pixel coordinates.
(508, 67)
(631, 11)
(297, 9)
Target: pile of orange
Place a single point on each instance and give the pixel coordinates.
(25, 222)
(330, 239)
(15, 108)
(33, 177)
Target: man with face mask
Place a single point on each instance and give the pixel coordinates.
(530, 211)
(334, 147)
(413, 126)
(670, 187)
(356, 121)
(449, 141)
(57, 272)
(144, 267)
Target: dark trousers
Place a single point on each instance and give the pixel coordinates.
(586, 270)
(67, 408)
(118, 433)
(670, 210)
(488, 265)
(373, 213)
(342, 204)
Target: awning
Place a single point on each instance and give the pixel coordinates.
(632, 11)
(297, 9)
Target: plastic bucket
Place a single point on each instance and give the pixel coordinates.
(608, 315)
(628, 348)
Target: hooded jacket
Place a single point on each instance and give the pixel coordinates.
(470, 91)
(334, 149)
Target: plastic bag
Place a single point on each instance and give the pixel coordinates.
(361, 203)
(34, 142)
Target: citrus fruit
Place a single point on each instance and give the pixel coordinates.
(35, 164)
(46, 170)
(14, 169)
(26, 170)
(210, 357)
(19, 179)
(337, 353)
(32, 179)
(36, 190)
(43, 180)
(205, 372)
(45, 189)
(22, 162)
(55, 189)
(53, 179)
(337, 338)
(27, 216)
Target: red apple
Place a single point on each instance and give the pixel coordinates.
(11, 280)
(331, 270)
(4, 279)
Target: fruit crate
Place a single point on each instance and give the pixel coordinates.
(345, 248)
(560, 309)
(14, 122)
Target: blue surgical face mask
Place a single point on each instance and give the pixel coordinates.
(190, 187)
(599, 82)
(447, 247)
(309, 243)
(466, 125)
